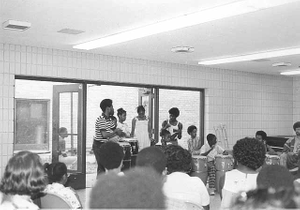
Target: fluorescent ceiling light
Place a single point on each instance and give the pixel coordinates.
(251, 57)
(293, 72)
(216, 13)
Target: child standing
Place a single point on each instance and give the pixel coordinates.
(211, 149)
(194, 143)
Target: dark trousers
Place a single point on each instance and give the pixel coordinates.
(96, 150)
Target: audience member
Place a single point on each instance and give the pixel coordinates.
(265, 199)
(152, 157)
(194, 143)
(111, 156)
(262, 136)
(179, 185)
(57, 177)
(211, 149)
(104, 130)
(22, 180)
(138, 189)
(290, 156)
(121, 123)
(141, 128)
(173, 125)
(249, 155)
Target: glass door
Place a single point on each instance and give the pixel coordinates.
(67, 132)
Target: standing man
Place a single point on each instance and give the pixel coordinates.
(173, 125)
(291, 149)
(105, 130)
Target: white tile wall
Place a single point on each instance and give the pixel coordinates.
(244, 102)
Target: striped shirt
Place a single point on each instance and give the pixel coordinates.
(103, 124)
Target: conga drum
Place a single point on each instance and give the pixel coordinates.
(200, 167)
(272, 160)
(127, 155)
(223, 163)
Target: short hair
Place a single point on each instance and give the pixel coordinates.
(210, 137)
(62, 129)
(120, 111)
(23, 175)
(164, 132)
(276, 177)
(174, 111)
(140, 188)
(262, 134)
(55, 171)
(191, 128)
(265, 199)
(249, 152)
(105, 103)
(140, 108)
(296, 125)
(178, 159)
(111, 155)
(152, 157)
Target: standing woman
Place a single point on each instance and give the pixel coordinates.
(141, 129)
(173, 125)
(121, 123)
(23, 179)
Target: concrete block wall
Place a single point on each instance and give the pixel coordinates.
(244, 102)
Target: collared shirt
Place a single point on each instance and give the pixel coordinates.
(103, 123)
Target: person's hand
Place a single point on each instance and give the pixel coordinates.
(64, 154)
(118, 131)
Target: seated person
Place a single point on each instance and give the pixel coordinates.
(152, 157)
(249, 154)
(62, 151)
(138, 189)
(261, 136)
(179, 185)
(265, 199)
(111, 156)
(290, 156)
(211, 149)
(194, 143)
(165, 138)
(57, 177)
(22, 180)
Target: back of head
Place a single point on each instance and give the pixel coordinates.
(174, 111)
(265, 199)
(111, 155)
(249, 152)
(140, 188)
(276, 177)
(105, 103)
(262, 134)
(178, 159)
(152, 157)
(55, 171)
(23, 175)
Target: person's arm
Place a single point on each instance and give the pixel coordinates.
(287, 146)
(149, 129)
(133, 127)
(206, 153)
(179, 130)
(107, 135)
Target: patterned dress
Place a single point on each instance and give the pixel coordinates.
(67, 193)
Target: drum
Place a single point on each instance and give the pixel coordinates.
(199, 163)
(272, 160)
(134, 145)
(219, 174)
(201, 174)
(127, 155)
(224, 162)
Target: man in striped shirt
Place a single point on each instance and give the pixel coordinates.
(105, 130)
